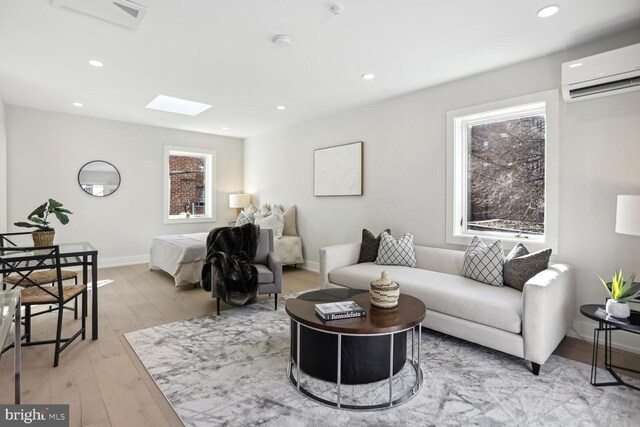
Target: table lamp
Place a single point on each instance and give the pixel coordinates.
(628, 215)
(239, 201)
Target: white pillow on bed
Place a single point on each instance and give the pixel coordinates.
(275, 222)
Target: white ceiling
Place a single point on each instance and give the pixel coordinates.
(219, 52)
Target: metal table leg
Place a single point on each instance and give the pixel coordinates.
(16, 350)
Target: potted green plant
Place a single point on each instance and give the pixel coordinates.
(620, 292)
(44, 234)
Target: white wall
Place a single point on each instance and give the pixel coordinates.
(3, 169)
(46, 150)
(405, 163)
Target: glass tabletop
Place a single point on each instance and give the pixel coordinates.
(8, 306)
(66, 249)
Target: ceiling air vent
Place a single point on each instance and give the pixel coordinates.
(123, 13)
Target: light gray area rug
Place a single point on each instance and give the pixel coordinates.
(231, 370)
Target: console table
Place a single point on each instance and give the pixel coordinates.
(608, 324)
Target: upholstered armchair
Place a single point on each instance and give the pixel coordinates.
(269, 269)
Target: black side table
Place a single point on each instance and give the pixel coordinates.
(609, 324)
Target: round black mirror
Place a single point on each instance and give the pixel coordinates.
(99, 178)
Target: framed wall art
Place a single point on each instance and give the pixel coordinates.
(337, 170)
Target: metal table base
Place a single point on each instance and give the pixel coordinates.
(414, 362)
(608, 363)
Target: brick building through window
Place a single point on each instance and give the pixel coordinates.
(187, 185)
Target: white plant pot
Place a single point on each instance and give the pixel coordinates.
(618, 309)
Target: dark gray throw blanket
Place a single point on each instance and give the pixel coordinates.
(231, 250)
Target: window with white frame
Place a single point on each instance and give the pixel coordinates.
(189, 185)
(502, 180)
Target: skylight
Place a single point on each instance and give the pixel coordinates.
(177, 105)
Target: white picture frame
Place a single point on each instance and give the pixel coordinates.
(338, 171)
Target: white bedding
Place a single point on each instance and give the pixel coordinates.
(182, 255)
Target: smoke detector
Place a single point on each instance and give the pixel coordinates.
(336, 9)
(281, 40)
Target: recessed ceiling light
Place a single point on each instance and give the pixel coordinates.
(96, 63)
(281, 107)
(177, 105)
(574, 65)
(224, 128)
(368, 76)
(548, 11)
(78, 104)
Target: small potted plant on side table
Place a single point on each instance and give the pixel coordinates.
(620, 292)
(44, 234)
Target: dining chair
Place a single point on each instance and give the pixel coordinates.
(41, 277)
(23, 264)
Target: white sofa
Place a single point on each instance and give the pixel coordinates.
(528, 324)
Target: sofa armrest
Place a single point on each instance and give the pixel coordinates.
(332, 257)
(548, 308)
(275, 265)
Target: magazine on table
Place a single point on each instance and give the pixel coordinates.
(340, 310)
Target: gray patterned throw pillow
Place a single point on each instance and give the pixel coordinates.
(520, 265)
(484, 263)
(245, 218)
(369, 246)
(396, 252)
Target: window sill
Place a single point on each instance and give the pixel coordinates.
(508, 242)
(181, 219)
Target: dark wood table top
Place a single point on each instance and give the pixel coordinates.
(409, 312)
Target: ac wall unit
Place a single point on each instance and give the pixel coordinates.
(123, 13)
(609, 73)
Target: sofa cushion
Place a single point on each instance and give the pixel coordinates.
(484, 263)
(520, 265)
(498, 307)
(396, 252)
(264, 274)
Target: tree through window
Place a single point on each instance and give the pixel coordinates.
(506, 175)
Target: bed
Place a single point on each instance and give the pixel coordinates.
(182, 255)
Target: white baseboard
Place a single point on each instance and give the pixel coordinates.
(122, 261)
(311, 266)
(621, 340)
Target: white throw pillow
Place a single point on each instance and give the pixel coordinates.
(277, 209)
(264, 209)
(396, 252)
(484, 263)
(274, 221)
(290, 228)
(244, 218)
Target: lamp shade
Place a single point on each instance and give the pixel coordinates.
(628, 215)
(239, 200)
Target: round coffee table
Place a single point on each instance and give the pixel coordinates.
(354, 351)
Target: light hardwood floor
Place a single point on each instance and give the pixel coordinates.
(104, 381)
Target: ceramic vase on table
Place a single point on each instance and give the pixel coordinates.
(384, 292)
(618, 309)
